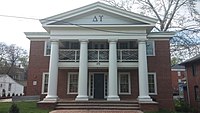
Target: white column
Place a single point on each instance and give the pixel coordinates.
(112, 77)
(143, 72)
(53, 72)
(83, 72)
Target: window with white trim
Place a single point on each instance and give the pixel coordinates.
(150, 48)
(124, 83)
(72, 83)
(45, 80)
(47, 48)
(152, 83)
(9, 86)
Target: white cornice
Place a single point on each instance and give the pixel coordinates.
(37, 35)
(160, 35)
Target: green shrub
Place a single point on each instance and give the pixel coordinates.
(182, 106)
(14, 108)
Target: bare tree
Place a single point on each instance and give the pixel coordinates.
(170, 13)
(182, 16)
(12, 57)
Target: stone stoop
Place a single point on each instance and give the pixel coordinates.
(98, 105)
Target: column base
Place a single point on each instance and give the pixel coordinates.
(113, 98)
(51, 98)
(144, 99)
(81, 98)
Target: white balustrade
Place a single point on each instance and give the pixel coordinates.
(98, 55)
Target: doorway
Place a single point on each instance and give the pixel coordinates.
(99, 86)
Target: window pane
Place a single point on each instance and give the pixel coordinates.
(74, 45)
(48, 47)
(151, 83)
(124, 83)
(73, 83)
(194, 70)
(150, 47)
(9, 87)
(45, 87)
(197, 93)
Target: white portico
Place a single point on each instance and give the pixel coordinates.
(99, 29)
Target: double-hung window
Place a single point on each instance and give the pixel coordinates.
(124, 83)
(150, 48)
(152, 83)
(45, 83)
(194, 69)
(47, 49)
(9, 86)
(197, 93)
(72, 83)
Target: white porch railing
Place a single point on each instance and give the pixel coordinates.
(69, 55)
(127, 55)
(98, 55)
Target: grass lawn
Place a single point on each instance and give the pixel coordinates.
(24, 107)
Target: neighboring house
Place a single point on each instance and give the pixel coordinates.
(178, 80)
(100, 52)
(193, 81)
(9, 87)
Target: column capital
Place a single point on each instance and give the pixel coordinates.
(142, 40)
(112, 40)
(54, 40)
(83, 40)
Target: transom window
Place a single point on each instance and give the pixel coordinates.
(127, 45)
(152, 83)
(69, 45)
(98, 45)
(45, 82)
(72, 83)
(124, 83)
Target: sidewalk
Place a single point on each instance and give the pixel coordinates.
(6, 100)
(96, 111)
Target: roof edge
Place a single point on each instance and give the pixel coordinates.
(162, 35)
(37, 35)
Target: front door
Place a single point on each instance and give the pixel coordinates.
(99, 86)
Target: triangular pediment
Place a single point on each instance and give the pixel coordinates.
(98, 14)
(99, 17)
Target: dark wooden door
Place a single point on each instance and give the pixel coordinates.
(99, 86)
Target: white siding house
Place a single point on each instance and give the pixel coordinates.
(8, 86)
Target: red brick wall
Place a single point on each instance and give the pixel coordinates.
(38, 63)
(175, 78)
(160, 63)
(193, 81)
(63, 79)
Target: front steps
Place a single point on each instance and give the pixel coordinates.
(98, 105)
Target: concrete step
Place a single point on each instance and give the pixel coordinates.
(102, 105)
(97, 107)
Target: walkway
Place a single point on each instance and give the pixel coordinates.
(96, 111)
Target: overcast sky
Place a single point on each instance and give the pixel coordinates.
(12, 29)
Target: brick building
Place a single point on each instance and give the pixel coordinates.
(178, 80)
(100, 52)
(193, 81)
